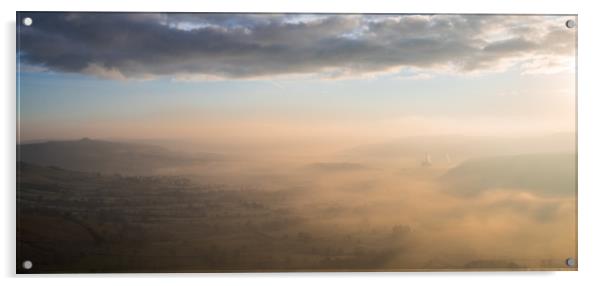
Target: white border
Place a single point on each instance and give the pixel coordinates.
(590, 144)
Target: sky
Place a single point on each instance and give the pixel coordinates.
(242, 76)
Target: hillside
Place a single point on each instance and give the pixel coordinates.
(546, 174)
(106, 157)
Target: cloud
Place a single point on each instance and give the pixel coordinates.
(101, 71)
(232, 46)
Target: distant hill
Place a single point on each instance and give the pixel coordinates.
(546, 174)
(336, 167)
(459, 147)
(107, 157)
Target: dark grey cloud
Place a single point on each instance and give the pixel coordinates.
(139, 45)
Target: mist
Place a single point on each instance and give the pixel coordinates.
(162, 142)
(409, 203)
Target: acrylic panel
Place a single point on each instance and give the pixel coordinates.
(229, 142)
